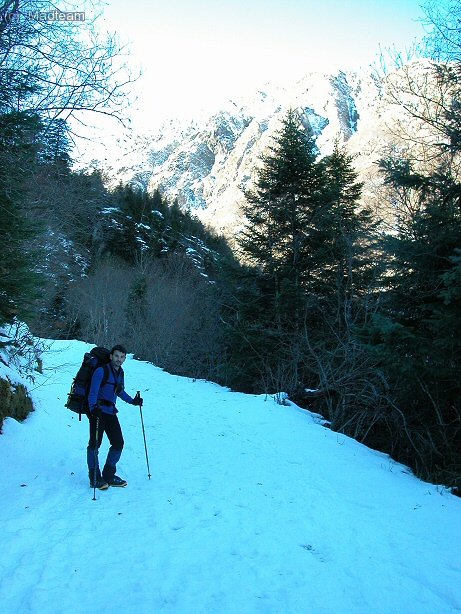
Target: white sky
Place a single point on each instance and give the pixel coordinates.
(193, 55)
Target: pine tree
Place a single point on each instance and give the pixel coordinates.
(349, 233)
(309, 245)
(424, 261)
(18, 282)
(18, 279)
(416, 331)
(135, 227)
(280, 234)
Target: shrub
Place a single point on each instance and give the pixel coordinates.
(16, 402)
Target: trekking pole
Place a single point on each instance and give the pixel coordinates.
(138, 394)
(96, 458)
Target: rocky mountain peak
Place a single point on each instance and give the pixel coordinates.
(206, 164)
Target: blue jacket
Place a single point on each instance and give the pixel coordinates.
(107, 394)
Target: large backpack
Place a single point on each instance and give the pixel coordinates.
(77, 399)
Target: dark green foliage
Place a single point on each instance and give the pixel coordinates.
(18, 283)
(281, 233)
(18, 151)
(424, 257)
(138, 226)
(349, 232)
(134, 225)
(415, 333)
(309, 248)
(55, 145)
(247, 297)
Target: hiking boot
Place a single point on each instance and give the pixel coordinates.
(116, 481)
(100, 483)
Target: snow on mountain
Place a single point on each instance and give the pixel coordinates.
(252, 507)
(207, 163)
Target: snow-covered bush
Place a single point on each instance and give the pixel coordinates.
(19, 359)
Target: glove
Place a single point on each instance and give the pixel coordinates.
(138, 400)
(96, 412)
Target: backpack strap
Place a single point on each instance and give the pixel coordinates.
(105, 376)
(119, 379)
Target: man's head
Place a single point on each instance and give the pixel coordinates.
(117, 356)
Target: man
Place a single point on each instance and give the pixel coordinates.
(107, 384)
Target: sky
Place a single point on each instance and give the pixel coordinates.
(252, 507)
(194, 55)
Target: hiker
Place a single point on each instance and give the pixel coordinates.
(107, 384)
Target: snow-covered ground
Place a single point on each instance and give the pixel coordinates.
(252, 508)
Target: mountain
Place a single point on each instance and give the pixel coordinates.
(252, 507)
(206, 164)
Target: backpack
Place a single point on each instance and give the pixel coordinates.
(77, 399)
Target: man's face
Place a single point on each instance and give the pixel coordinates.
(117, 359)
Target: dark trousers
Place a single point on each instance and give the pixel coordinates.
(109, 424)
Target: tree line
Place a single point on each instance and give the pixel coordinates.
(349, 312)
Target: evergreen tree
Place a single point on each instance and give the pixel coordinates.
(349, 233)
(424, 261)
(135, 225)
(280, 236)
(55, 144)
(308, 250)
(17, 277)
(308, 247)
(18, 153)
(415, 332)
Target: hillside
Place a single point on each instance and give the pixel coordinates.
(252, 507)
(207, 163)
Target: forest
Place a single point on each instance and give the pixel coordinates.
(352, 312)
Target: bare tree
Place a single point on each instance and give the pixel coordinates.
(58, 68)
(164, 311)
(98, 303)
(175, 322)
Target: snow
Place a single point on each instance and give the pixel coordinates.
(253, 507)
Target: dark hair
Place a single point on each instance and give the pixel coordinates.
(120, 348)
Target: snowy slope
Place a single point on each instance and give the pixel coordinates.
(252, 508)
